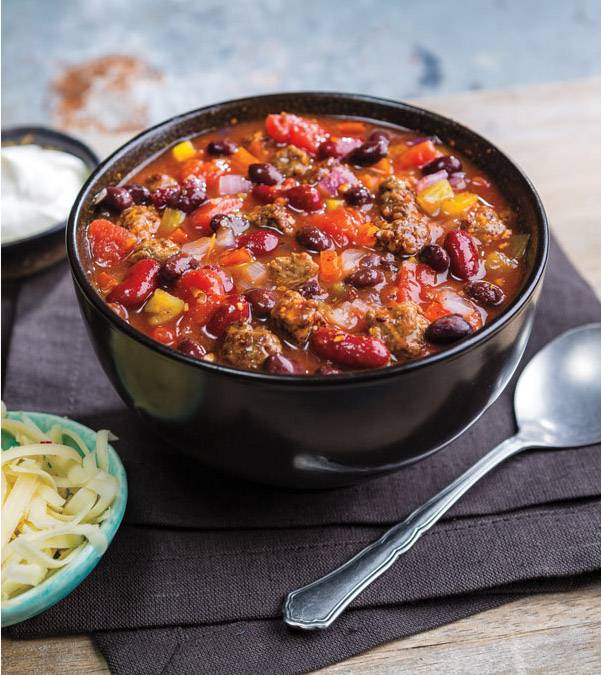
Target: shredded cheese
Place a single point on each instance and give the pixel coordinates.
(54, 498)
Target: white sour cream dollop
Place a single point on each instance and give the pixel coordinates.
(39, 186)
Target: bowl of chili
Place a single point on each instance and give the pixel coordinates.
(309, 298)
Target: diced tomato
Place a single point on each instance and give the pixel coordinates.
(208, 171)
(417, 156)
(109, 243)
(412, 280)
(237, 257)
(303, 133)
(434, 311)
(203, 307)
(179, 236)
(329, 266)
(341, 224)
(106, 282)
(200, 219)
(205, 280)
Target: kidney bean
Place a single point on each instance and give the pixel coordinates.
(339, 148)
(485, 293)
(264, 174)
(367, 276)
(370, 152)
(191, 348)
(116, 198)
(310, 289)
(162, 196)
(260, 242)
(228, 284)
(379, 135)
(234, 309)
(176, 265)
(313, 239)
(192, 194)
(463, 254)
(139, 193)
(327, 369)
(447, 329)
(357, 195)
(448, 163)
(139, 283)
(305, 198)
(237, 223)
(435, 257)
(261, 300)
(386, 261)
(221, 147)
(352, 351)
(282, 365)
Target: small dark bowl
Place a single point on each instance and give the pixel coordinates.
(311, 431)
(29, 255)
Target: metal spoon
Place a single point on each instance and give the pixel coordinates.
(557, 404)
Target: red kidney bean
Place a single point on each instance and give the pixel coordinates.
(261, 300)
(162, 196)
(139, 193)
(228, 284)
(176, 265)
(357, 195)
(448, 163)
(191, 348)
(447, 329)
(370, 152)
(260, 242)
(264, 174)
(192, 194)
(221, 147)
(367, 276)
(463, 254)
(234, 309)
(485, 293)
(386, 261)
(140, 281)
(435, 257)
(339, 148)
(313, 239)
(116, 198)
(282, 365)
(327, 369)
(305, 198)
(379, 135)
(352, 351)
(310, 289)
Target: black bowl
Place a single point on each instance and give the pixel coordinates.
(311, 431)
(32, 254)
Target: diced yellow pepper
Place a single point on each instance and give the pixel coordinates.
(163, 307)
(332, 204)
(499, 262)
(459, 204)
(183, 151)
(432, 197)
(171, 220)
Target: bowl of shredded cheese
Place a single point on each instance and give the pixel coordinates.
(64, 492)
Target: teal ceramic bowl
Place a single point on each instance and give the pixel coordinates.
(61, 583)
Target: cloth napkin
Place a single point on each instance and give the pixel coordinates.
(196, 576)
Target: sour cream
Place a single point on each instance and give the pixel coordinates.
(39, 186)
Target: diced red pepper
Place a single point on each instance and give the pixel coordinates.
(417, 156)
(109, 243)
(139, 283)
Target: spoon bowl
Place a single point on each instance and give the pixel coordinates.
(558, 397)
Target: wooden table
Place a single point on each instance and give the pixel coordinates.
(554, 133)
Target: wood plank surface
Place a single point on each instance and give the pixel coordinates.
(554, 132)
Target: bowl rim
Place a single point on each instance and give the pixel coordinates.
(342, 379)
(56, 140)
(38, 599)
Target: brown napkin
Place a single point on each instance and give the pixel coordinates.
(196, 576)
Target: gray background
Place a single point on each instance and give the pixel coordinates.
(186, 53)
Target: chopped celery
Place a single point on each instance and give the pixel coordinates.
(499, 262)
(163, 307)
(171, 220)
(516, 246)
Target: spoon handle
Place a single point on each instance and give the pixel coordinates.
(318, 604)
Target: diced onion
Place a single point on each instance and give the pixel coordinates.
(225, 239)
(349, 260)
(198, 248)
(429, 180)
(253, 275)
(337, 177)
(53, 501)
(232, 184)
